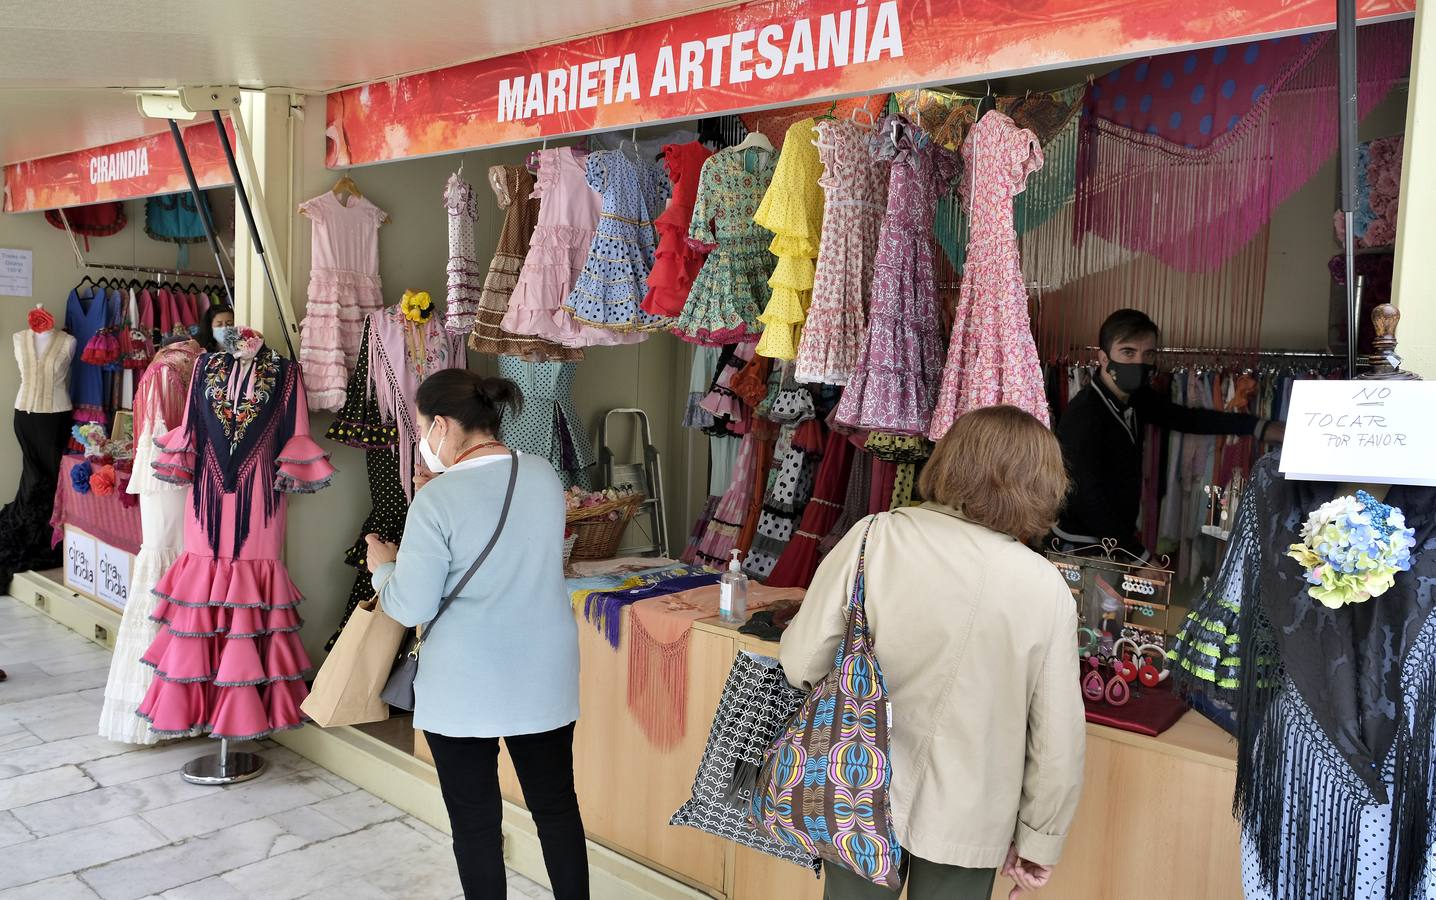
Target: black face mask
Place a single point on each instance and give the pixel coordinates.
(1130, 377)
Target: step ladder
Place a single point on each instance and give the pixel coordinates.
(645, 476)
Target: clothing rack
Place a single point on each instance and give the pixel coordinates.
(1227, 351)
(152, 270)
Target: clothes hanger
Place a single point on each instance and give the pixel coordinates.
(531, 162)
(872, 120)
(829, 114)
(755, 140)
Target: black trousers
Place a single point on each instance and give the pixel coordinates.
(469, 778)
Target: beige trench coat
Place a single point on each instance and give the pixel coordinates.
(976, 637)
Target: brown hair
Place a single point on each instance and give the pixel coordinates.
(1000, 468)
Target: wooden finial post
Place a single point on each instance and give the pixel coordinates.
(1384, 363)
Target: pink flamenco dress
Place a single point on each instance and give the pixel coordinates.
(992, 357)
(228, 659)
(559, 249)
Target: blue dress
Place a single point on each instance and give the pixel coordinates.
(84, 317)
(548, 425)
(614, 279)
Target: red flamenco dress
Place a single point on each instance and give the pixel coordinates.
(228, 659)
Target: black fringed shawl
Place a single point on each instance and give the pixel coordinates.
(238, 432)
(1332, 702)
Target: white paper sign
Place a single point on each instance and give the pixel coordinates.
(112, 577)
(81, 560)
(17, 271)
(1383, 432)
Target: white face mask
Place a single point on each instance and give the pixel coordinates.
(429, 454)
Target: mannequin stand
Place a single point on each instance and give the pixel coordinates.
(223, 768)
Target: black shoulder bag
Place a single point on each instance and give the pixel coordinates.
(399, 689)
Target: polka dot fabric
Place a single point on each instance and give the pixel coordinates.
(1193, 98)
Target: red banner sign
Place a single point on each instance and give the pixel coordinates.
(774, 52)
(142, 167)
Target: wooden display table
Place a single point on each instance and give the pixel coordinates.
(1155, 818)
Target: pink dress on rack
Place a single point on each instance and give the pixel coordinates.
(558, 250)
(228, 659)
(343, 288)
(992, 357)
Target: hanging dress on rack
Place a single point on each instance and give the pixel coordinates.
(462, 298)
(992, 357)
(731, 289)
(159, 405)
(857, 190)
(548, 424)
(85, 315)
(228, 659)
(558, 250)
(344, 287)
(895, 384)
(379, 417)
(513, 188)
(676, 261)
(610, 289)
(792, 209)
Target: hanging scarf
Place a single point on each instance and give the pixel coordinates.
(1187, 127)
(1346, 667)
(401, 355)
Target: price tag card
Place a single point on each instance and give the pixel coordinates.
(1382, 432)
(82, 554)
(112, 577)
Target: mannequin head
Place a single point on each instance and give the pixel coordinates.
(215, 317)
(40, 320)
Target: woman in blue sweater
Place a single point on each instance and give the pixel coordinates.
(503, 660)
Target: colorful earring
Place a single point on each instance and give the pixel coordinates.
(1093, 686)
(1152, 673)
(1117, 692)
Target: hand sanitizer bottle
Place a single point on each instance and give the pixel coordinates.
(733, 592)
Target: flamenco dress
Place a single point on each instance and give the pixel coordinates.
(228, 659)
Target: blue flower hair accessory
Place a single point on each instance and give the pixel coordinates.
(1352, 549)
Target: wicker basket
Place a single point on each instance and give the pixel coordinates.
(596, 536)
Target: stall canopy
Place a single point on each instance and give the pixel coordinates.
(773, 52)
(142, 167)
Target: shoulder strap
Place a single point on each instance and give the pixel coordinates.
(488, 548)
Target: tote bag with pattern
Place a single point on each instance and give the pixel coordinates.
(824, 785)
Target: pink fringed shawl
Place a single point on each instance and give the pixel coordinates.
(658, 654)
(1186, 156)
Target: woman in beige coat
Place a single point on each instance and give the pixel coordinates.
(976, 637)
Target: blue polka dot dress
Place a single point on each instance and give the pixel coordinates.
(614, 279)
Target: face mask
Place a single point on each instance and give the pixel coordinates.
(1130, 377)
(429, 455)
(222, 335)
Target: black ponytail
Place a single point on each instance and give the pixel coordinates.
(476, 403)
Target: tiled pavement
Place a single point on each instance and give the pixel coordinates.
(81, 817)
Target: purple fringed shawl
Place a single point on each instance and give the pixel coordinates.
(1186, 156)
(604, 609)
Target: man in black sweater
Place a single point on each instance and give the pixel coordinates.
(1101, 434)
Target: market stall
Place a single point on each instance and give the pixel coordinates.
(802, 299)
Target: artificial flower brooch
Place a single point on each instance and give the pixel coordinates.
(244, 343)
(1352, 549)
(416, 306)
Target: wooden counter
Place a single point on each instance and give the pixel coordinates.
(1155, 817)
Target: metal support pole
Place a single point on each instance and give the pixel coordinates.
(243, 198)
(224, 768)
(279, 283)
(1347, 90)
(205, 218)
